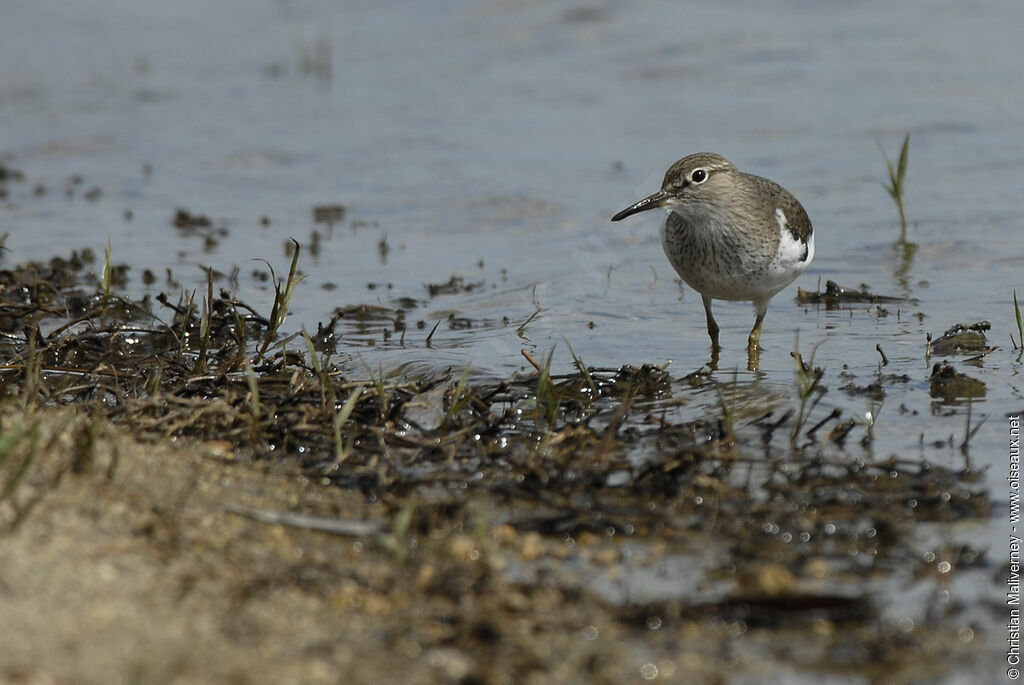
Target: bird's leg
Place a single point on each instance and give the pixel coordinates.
(760, 309)
(712, 326)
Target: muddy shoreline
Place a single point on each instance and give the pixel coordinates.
(213, 498)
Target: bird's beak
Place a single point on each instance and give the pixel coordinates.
(650, 202)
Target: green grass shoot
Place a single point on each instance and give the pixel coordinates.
(547, 398)
(1020, 326)
(319, 369)
(460, 398)
(282, 297)
(254, 392)
(107, 278)
(341, 452)
(582, 368)
(808, 380)
(897, 175)
(204, 325)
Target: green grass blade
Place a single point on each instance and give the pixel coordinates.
(1020, 326)
(582, 368)
(107, 274)
(254, 391)
(340, 453)
(314, 358)
(901, 171)
(458, 401)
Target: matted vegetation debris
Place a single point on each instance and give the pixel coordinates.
(962, 338)
(835, 295)
(455, 284)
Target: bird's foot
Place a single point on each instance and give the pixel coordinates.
(753, 351)
(753, 358)
(713, 362)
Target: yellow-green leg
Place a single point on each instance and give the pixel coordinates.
(753, 347)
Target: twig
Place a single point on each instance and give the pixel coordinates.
(347, 527)
(885, 360)
(432, 331)
(533, 362)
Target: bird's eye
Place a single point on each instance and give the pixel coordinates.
(699, 176)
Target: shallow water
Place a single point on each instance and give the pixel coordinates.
(494, 141)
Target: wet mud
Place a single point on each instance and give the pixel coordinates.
(504, 530)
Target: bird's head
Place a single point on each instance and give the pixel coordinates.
(701, 179)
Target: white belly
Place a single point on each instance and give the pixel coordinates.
(725, 265)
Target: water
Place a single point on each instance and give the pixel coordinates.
(493, 141)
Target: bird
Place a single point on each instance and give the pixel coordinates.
(730, 235)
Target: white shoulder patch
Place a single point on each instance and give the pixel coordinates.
(791, 250)
(780, 216)
(791, 258)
